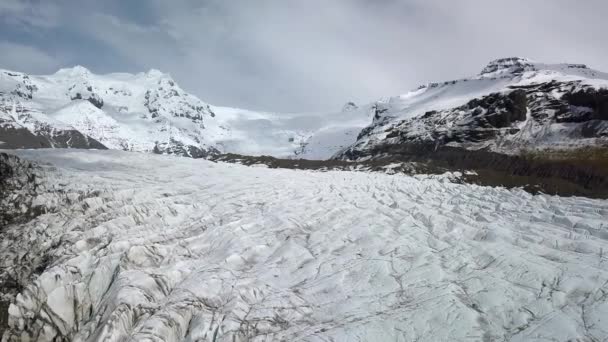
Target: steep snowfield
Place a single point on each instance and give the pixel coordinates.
(159, 248)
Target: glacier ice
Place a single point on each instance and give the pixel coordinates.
(159, 248)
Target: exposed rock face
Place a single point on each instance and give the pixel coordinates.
(82, 89)
(19, 137)
(18, 185)
(379, 111)
(95, 99)
(501, 110)
(16, 138)
(589, 103)
(510, 65)
(178, 148)
(24, 89)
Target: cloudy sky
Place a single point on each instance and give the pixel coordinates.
(298, 55)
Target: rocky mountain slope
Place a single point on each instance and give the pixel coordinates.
(513, 105)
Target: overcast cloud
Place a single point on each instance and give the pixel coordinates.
(305, 55)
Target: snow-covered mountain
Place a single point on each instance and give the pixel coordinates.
(150, 112)
(514, 104)
(142, 112)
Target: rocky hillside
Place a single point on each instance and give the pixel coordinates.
(514, 105)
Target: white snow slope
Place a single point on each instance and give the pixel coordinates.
(160, 248)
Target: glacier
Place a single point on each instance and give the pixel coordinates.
(134, 246)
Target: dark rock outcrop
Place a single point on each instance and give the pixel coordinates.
(511, 65)
(500, 110)
(25, 89)
(593, 103)
(349, 107)
(93, 98)
(18, 186)
(178, 148)
(12, 137)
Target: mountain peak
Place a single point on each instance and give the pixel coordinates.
(77, 70)
(349, 107)
(509, 65)
(160, 77)
(155, 73)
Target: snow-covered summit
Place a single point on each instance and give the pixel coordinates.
(524, 67)
(75, 71)
(510, 65)
(155, 73)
